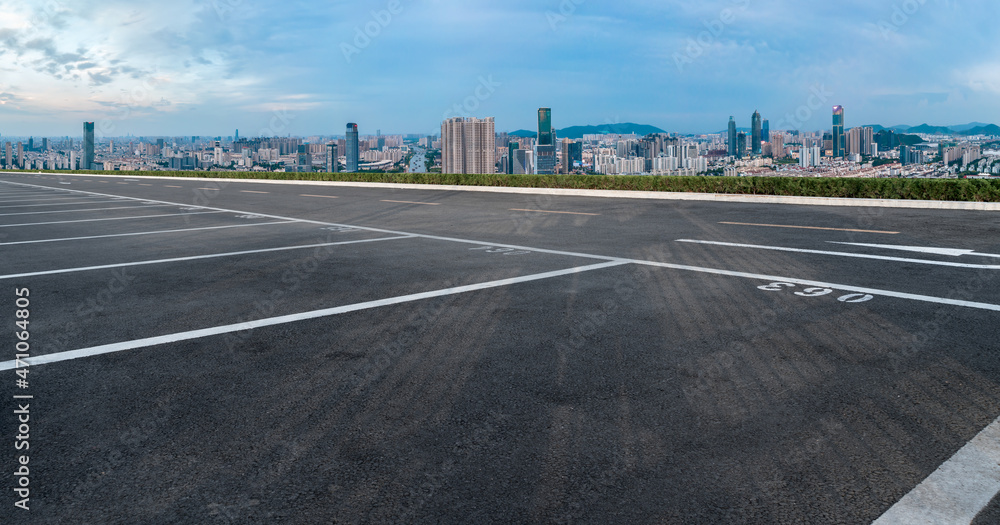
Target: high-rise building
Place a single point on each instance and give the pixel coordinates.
(352, 152)
(756, 133)
(732, 138)
(545, 148)
(45, 144)
(741, 144)
(838, 132)
(303, 157)
(512, 148)
(853, 141)
(867, 141)
(778, 145)
(767, 131)
(332, 158)
(88, 146)
(20, 155)
(31, 143)
(523, 161)
(468, 145)
(545, 135)
(9, 158)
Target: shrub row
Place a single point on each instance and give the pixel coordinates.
(977, 190)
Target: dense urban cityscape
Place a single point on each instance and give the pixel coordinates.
(471, 145)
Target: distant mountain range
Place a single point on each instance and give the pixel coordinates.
(972, 128)
(577, 132)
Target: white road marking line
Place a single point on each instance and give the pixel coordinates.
(770, 278)
(847, 254)
(92, 209)
(250, 325)
(321, 196)
(548, 211)
(953, 252)
(411, 202)
(173, 186)
(57, 204)
(110, 219)
(194, 258)
(249, 191)
(808, 227)
(43, 198)
(958, 490)
(145, 233)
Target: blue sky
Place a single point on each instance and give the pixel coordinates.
(208, 67)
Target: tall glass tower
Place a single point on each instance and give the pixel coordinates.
(352, 148)
(88, 145)
(756, 134)
(732, 137)
(545, 149)
(838, 131)
(545, 127)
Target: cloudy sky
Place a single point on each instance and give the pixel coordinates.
(208, 67)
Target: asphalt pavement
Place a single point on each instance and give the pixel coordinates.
(237, 352)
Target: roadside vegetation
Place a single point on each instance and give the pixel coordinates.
(976, 190)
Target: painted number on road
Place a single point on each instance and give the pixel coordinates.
(817, 292)
(502, 251)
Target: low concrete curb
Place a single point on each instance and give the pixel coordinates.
(616, 194)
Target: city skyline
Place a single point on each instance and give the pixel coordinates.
(209, 67)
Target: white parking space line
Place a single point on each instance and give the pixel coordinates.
(47, 195)
(250, 325)
(197, 257)
(847, 254)
(321, 196)
(146, 233)
(250, 191)
(91, 209)
(111, 219)
(559, 212)
(411, 202)
(958, 490)
(77, 202)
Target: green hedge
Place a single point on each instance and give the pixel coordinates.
(977, 190)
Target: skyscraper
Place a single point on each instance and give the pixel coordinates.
(332, 158)
(545, 127)
(88, 146)
(468, 145)
(732, 137)
(9, 159)
(545, 149)
(838, 132)
(352, 152)
(511, 153)
(756, 134)
(767, 131)
(741, 144)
